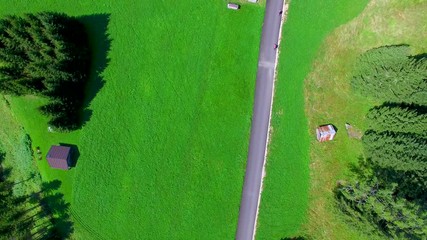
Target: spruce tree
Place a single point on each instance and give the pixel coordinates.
(399, 151)
(391, 74)
(46, 54)
(371, 202)
(398, 118)
(410, 184)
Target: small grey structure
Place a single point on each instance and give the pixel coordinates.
(59, 157)
(233, 6)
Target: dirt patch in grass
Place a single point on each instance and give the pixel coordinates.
(329, 99)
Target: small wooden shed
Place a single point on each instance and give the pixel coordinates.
(59, 157)
(325, 133)
(233, 6)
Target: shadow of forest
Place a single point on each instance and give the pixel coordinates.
(49, 213)
(99, 42)
(39, 215)
(295, 238)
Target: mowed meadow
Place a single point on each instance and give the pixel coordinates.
(164, 147)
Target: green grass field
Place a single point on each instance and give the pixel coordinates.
(163, 154)
(330, 99)
(284, 202)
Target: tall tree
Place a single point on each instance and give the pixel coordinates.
(398, 118)
(371, 202)
(389, 73)
(46, 54)
(399, 151)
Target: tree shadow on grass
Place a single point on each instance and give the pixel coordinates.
(362, 169)
(420, 109)
(53, 213)
(4, 172)
(99, 42)
(295, 238)
(41, 215)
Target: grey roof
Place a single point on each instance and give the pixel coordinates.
(58, 156)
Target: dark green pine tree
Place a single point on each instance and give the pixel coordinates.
(410, 184)
(13, 30)
(371, 203)
(391, 74)
(41, 51)
(399, 151)
(16, 46)
(397, 119)
(46, 54)
(13, 58)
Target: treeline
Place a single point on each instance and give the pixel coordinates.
(388, 194)
(46, 54)
(40, 215)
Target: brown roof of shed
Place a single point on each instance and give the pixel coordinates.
(58, 157)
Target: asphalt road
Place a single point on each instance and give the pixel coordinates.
(260, 120)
